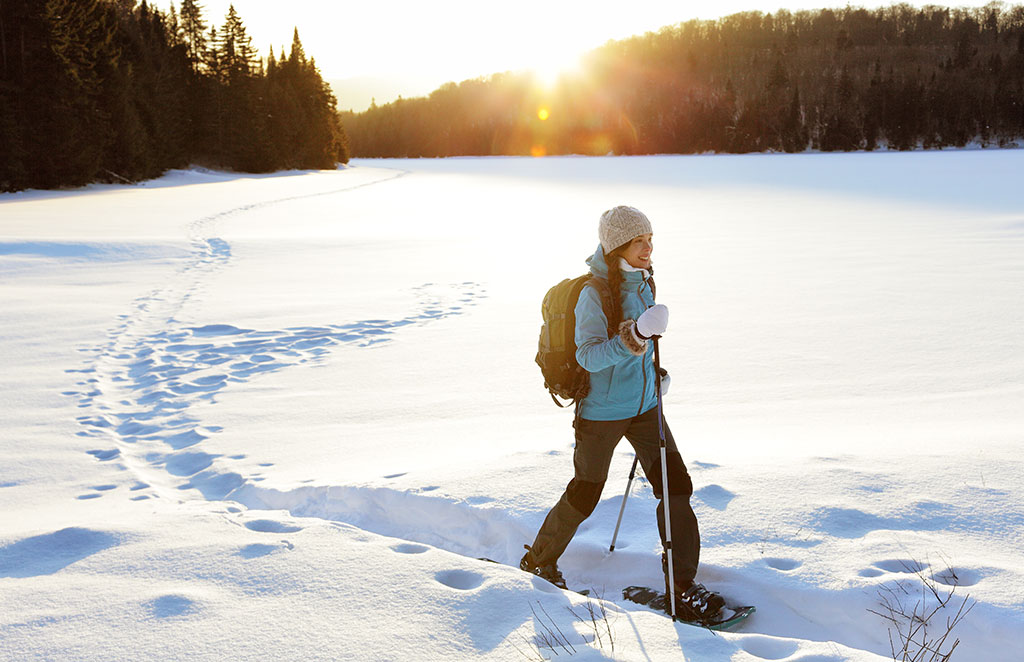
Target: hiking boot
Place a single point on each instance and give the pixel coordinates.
(548, 572)
(698, 604)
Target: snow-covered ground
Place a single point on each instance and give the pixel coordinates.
(279, 417)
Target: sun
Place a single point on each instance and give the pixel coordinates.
(551, 66)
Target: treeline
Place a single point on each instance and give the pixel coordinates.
(897, 77)
(107, 90)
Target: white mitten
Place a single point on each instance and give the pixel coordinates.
(665, 381)
(652, 322)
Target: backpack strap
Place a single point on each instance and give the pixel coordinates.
(605, 291)
(569, 339)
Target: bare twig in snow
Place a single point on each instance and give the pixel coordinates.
(912, 614)
(597, 620)
(551, 638)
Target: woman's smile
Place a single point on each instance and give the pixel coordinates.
(638, 251)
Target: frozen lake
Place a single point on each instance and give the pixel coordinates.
(321, 354)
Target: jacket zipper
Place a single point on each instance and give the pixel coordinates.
(643, 359)
(643, 391)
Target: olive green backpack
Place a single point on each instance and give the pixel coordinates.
(556, 351)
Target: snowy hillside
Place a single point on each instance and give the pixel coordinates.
(280, 417)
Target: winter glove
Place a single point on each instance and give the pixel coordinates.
(665, 381)
(652, 322)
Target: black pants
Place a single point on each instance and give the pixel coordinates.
(595, 444)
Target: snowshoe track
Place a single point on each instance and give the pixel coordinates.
(139, 393)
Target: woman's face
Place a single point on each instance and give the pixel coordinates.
(638, 251)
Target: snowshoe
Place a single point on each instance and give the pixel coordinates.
(726, 617)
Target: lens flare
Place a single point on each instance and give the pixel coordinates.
(538, 150)
(543, 114)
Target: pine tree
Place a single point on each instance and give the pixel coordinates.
(193, 31)
(212, 56)
(237, 56)
(297, 56)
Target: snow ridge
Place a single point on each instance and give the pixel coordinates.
(454, 526)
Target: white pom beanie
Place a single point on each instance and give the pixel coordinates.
(621, 224)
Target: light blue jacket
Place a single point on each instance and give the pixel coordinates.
(621, 384)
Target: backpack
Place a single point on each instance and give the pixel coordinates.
(556, 350)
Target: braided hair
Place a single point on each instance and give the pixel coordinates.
(615, 279)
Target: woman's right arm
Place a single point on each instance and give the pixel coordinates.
(595, 351)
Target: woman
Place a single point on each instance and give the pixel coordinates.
(622, 403)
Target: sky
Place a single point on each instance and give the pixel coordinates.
(408, 48)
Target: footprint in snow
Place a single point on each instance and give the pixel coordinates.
(853, 523)
(270, 526)
(97, 492)
(715, 496)
(51, 552)
(462, 580)
(410, 548)
(959, 576)
(171, 606)
(949, 576)
(256, 550)
(105, 455)
(783, 565)
(769, 648)
(188, 463)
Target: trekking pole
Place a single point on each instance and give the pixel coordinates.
(664, 481)
(622, 508)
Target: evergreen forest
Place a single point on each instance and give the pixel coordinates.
(112, 90)
(896, 77)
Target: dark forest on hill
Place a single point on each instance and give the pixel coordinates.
(897, 77)
(112, 90)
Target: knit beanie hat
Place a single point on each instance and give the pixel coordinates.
(621, 224)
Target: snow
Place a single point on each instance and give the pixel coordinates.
(280, 416)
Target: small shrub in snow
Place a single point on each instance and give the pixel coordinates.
(915, 614)
(593, 615)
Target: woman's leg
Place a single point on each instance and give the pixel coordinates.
(642, 433)
(595, 443)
